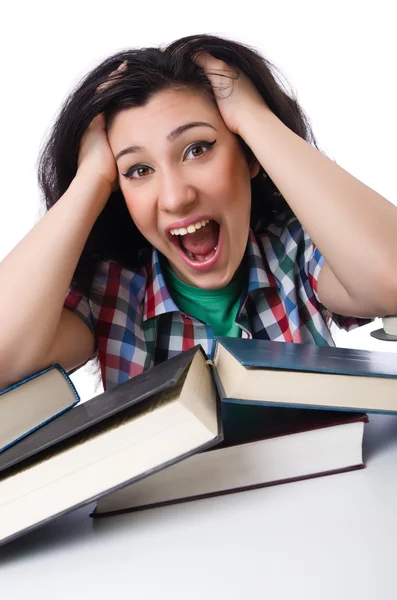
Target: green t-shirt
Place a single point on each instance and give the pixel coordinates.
(217, 308)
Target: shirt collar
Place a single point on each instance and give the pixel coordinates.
(157, 297)
(259, 273)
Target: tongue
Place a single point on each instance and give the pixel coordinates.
(203, 240)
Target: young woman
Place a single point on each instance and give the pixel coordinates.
(188, 198)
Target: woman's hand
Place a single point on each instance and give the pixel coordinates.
(236, 96)
(95, 155)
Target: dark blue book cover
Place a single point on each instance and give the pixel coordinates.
(267, 354)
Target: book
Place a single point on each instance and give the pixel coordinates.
(33, 402)
(142, 425)
(171, 412)
(304, 375)
(262, 446)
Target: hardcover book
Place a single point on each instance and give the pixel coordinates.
(304, 375)
(33, 402)
(144, 424)
(262, 446)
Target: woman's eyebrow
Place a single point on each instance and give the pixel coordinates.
(182, 128)
(171, 137)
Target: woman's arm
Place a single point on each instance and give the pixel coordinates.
(35, 276)
(354, 227)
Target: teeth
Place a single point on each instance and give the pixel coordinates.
(190, 228)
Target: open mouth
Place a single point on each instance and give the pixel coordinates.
(198, 243)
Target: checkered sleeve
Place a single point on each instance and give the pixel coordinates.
(316, 262)
(76, 302)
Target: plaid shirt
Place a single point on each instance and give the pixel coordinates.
(137, 324)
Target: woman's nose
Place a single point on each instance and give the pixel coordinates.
(176, 194)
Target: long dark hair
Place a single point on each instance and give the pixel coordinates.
(149, 70)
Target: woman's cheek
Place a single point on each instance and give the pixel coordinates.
(142, 213)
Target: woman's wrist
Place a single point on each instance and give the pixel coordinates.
(92, 186)
(88, 178)
(258, 116)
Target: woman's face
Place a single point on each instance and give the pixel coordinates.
(186, 183)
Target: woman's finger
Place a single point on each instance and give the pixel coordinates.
(220, 74)
(213, 65)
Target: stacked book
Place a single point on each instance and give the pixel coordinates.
(260, 413)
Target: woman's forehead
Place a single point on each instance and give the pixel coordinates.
(165, 111)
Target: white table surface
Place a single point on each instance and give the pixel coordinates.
(332, 537)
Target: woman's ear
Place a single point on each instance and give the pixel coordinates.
(254, 168)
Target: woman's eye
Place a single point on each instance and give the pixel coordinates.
(137, 172)
(198, 149)
(195, 151)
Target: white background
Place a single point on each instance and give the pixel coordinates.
(339, 56)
